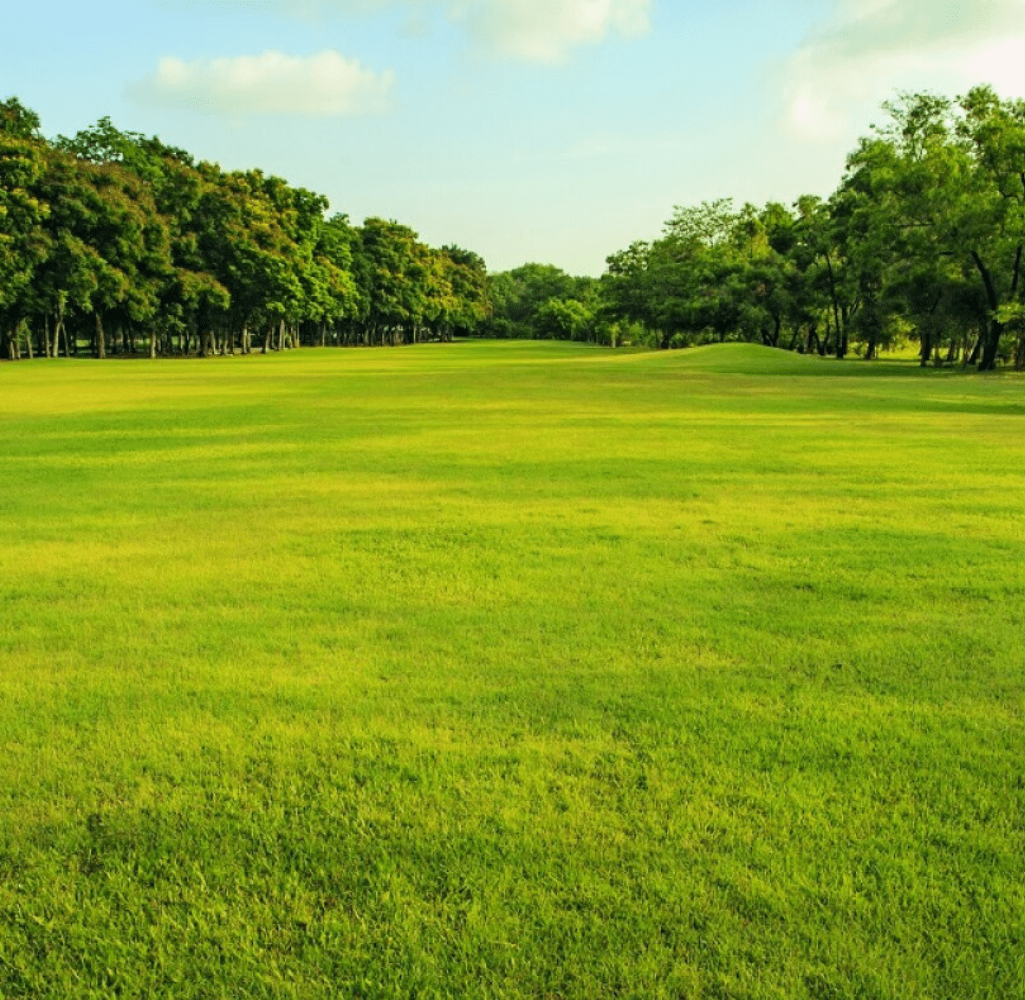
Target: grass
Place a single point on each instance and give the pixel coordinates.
(511, 670)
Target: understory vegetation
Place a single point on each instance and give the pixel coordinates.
(512, 670)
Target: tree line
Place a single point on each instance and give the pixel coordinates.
(112, 242)
(923, 240)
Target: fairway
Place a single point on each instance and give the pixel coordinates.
(511, 670)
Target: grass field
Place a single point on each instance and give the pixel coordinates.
(511, 670)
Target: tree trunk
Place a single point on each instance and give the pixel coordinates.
(824, 348)
(991, 336)
(925, 353)
(840, 339)
(101, 339)
(989, 350)
(59, 327)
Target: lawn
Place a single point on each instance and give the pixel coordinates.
(511, 670)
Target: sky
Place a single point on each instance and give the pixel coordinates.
(556, 131)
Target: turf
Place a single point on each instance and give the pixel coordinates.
(511, 670)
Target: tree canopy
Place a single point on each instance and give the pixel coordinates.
(114, 242)
(922, 238)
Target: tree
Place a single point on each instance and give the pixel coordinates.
(950, 178)
(397, 273)
(23, 244)
(517, 297)
(467, 275)
(564, 319)
(19, 122)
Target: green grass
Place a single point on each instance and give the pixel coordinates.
(511, 670)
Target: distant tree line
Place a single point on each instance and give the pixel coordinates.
(541, 302)
(923, 239)
(115, 243)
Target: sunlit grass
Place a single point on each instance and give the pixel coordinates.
(511, 670)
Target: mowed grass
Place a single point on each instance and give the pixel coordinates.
(511, 671)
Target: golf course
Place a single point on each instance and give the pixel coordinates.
(493, 670)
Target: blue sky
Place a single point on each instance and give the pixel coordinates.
(528, 130)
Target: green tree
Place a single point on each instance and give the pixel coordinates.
(950, 178)
(516, 297)
(397, 272)
(19, 122)
(23, 243)
(564, 319)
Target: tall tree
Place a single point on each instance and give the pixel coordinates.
(23, 243)
(950, 177)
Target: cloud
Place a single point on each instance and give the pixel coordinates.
(272, 83)
(545, 30)
(534, 30)
(833, 84)
(873, 27)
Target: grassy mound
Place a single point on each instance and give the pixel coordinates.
(754, 359)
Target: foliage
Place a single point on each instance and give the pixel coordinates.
(125, 243)
(541, 302)
(924, 235)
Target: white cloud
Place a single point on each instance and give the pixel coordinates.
(545, 30)
(860, 27)
(271, 83)
(534, 30)
(833, 84)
